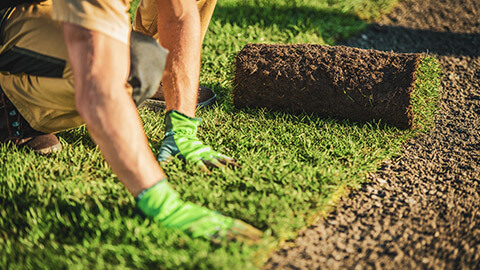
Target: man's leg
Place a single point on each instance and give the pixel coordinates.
(35, 79)
(145, 22)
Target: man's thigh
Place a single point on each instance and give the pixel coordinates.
(146, 16)
(35, 42)
(34, 72)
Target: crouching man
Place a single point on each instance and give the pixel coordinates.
(66, 63)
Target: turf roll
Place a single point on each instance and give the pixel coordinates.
(329, 81)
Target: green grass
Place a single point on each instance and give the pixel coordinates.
(69, 210)
(426, 96)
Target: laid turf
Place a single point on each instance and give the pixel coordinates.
(68, 210)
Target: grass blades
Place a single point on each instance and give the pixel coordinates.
(427, 93)
(69, 210)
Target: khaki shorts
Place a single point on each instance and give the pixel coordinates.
(35, 74)
(146, 16)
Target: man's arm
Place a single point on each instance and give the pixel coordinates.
(179, 32)
(100, 67)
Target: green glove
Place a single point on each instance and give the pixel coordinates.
(181, 141)
(163, 204)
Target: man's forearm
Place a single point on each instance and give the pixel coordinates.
(179, 32)
(100, 67)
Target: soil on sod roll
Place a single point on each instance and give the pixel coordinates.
(422, 210)
(330, 81)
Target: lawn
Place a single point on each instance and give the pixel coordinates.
(69, 210)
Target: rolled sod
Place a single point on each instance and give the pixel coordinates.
(330, 81)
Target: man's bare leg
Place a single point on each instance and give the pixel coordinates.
(206, 97)
(179, 32)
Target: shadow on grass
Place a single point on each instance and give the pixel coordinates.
(70, 220)
(77, 136)
(409, 40)
(307, 118)
(336, 25)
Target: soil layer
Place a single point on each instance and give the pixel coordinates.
(422, 210)
(330, 81)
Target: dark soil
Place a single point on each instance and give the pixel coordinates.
(341, 82)
(421, 210)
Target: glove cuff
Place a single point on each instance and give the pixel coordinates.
(176, 121)
(145, 191)
(159, 201)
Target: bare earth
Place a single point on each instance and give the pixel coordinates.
(422, 210)
(325, 79)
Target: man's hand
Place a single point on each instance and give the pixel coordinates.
(181, 141)
(163, 204)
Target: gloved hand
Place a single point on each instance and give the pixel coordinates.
(163, 204)
(181, 141)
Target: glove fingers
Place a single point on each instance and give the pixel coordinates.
(213, 163)
(221, 161)
(163, 204)
(243, 232)
(203, 167)
(228, 161)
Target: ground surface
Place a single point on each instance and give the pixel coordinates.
(423, 209)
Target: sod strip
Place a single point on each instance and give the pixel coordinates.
(330, 81)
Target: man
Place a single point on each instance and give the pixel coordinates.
(85, 45)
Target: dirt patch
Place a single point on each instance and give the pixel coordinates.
(423, 209)
(330, 81)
